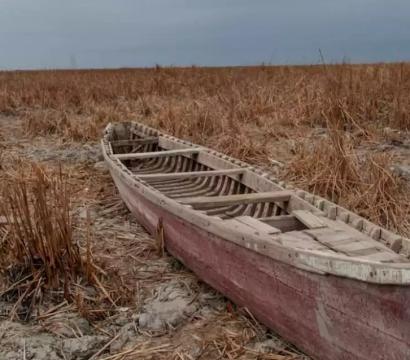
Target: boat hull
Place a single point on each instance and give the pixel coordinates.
(328, 317)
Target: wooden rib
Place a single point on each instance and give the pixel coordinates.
(160, 182)
(266, 210)
(157, 154)
(145, 164)
(175, 169)
(180, 185)
(238, 199)
(197, 184)
(203, 186)
(238, 210)
(170, 164)
(218, 210)
(185, 164)
(220, 189)
(249, 209)
(191, 174)
(165, 183)
(226, 189)
(159, 165)
(204, 190)
(131, 142)
(169, 185)
(270, 209)
(261, 210)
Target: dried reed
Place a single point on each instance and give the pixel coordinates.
(38, 211)
(39, 246)
(333, 168)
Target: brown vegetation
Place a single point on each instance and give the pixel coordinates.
(252, 113)
(327, 125)
(37, 207)
(331, 167)
(39, 251)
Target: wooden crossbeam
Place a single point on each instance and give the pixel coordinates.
(131, 142)
(207, 201)
(192, 174)
(157, 154)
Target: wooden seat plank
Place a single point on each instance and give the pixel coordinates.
(237, 199)
(131, 142)
(300, 240)
(309, 219)
(354, 244)
(157, 154)
(283, 222)
(191, 174)
(256, 224)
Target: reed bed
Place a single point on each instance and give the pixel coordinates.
(43, 256)
(255, 114)
(206, 102)
(320, 122)
(333, 168)
(37, 208)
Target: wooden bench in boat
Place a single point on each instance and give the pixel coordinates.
(206, 201)
(297, 220)
(309, 219)
(255, 224)
(354, 244)
(191, 174)
(132, 142)
(283, 222)
(157, 154)
(320, 235)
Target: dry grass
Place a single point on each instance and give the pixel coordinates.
(38, 250)
(333, 168)
(43, 256)
(254, 113)
(37, 207)
(46, 123)
(200, 102)
(321, 121)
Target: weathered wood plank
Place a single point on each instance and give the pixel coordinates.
(156, 154)
(283, 222)
(191, 174)
(131, 142)
(300, 240)
(237, 199)
(309, 219)
(255, 224)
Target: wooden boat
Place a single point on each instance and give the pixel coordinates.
(327, 280)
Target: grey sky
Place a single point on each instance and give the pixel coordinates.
(108, 33)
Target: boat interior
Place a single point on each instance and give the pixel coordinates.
(240, 195)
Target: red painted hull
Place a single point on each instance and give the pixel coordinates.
(328, 317)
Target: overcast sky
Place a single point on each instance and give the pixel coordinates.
(127, 33)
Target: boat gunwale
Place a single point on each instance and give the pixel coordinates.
(340, 265)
